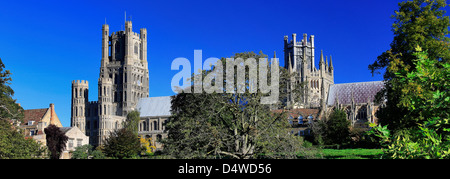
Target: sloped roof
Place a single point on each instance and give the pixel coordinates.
(65, 129)
(154, 106)
(34, 115)
(362, 92)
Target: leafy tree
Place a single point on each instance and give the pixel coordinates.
(87, 152)
(337, 128)
(56, 140)
(14, 145)
(12, 141)
(9, 109)
(125, 142)
(426, 97)
(229, 125)
(417, 22)
(122, 143)
(82, 152)
(132, 122)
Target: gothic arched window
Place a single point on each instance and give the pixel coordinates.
(144, 126)
(155, 125)
(362, 113)
(136, 48)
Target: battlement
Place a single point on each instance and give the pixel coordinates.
(118, 34)
(135, 34)
(80, 83)
(303, 42)
(106, 80)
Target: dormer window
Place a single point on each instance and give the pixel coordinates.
(30, 123)
(300, 119)
(310, 119)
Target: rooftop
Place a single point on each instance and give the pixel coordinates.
(154, 106)
(35, 115)
(361, 92)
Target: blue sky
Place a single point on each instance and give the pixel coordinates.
(47, 44)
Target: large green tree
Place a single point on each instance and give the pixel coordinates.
(14, 145)
(230, 125)
(417, 22)
(425, 94)
(12, 141)
(9, 109)
(122, 143)
(337, 128)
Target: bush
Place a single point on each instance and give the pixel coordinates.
(123, 143)
(87, 152)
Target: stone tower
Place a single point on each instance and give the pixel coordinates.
(299, 58)
(122, 81)
(79, 99)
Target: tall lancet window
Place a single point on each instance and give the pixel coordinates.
(136, 48)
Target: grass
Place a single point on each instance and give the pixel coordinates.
(352, 153)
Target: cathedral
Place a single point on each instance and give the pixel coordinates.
(123, 86)
(123, 80)
(320, 92)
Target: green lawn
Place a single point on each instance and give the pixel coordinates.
(352, 153)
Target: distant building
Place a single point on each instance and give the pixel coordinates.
(36, 120)
(357, 100)
(76, 139)
(123, 80)
(299, 119)
(154, 114)
(299, 59)
(320, 92)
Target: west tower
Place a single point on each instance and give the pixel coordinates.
(123, 80)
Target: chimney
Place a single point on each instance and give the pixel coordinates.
(52, 110)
